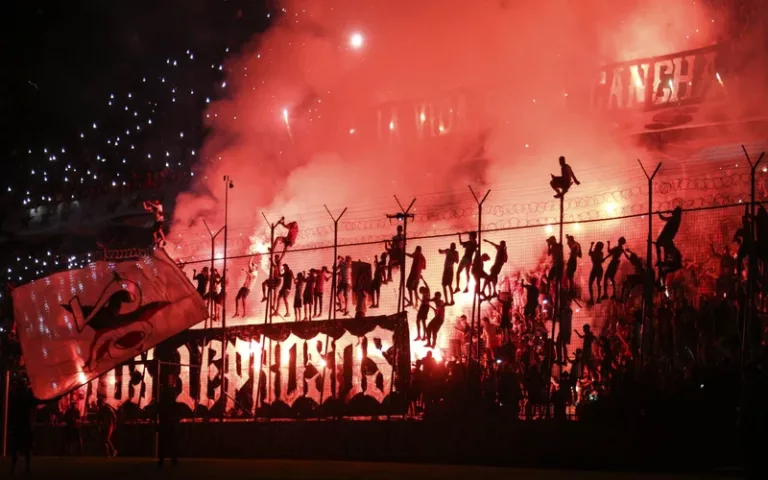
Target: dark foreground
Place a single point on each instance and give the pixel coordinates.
(192, 469)
(701, 448)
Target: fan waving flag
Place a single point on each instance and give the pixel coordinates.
(76, 325)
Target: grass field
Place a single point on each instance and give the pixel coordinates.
(192, 469)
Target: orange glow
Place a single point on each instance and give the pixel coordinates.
(416, 69)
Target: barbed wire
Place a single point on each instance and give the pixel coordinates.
(487, 228)
(626, 202)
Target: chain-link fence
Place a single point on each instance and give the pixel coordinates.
(704, 231)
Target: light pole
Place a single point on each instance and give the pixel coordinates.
(227, 186)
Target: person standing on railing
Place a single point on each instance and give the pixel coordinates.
(451, 258)
(273, 281)
(379, 276)
(573, 258)
(614, 254)
(285, 291)
(667, 236)
(322, 276)
(308, 293)
(498, 263)
(418, 265)
(343, 284)
(202, 281)
(466, 260)
(245, 290)
(437, 321)
(396, 250)
(596, 274)
(298, 296)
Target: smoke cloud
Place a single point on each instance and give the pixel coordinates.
(431, 96)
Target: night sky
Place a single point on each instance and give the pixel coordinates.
(63, 60)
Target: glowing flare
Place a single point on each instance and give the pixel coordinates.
(423, 117)
(356, 40)
(548, 229)
(610, 208)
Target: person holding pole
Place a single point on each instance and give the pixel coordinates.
(289, 239)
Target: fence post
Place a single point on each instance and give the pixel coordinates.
(476, 297)
(270, 294)
(213, 259)
(332, 300)
(647, 325)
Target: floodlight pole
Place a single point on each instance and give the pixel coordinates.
(646, 340)
(225, 278)
(332, 300)
(213, 259)
(476, 296)
(752, 256)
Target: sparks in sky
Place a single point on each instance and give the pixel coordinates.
(356, 40)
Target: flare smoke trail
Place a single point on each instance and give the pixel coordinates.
(312, 114)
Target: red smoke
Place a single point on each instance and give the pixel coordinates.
(492, 79)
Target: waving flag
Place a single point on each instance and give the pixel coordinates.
(75, 325)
